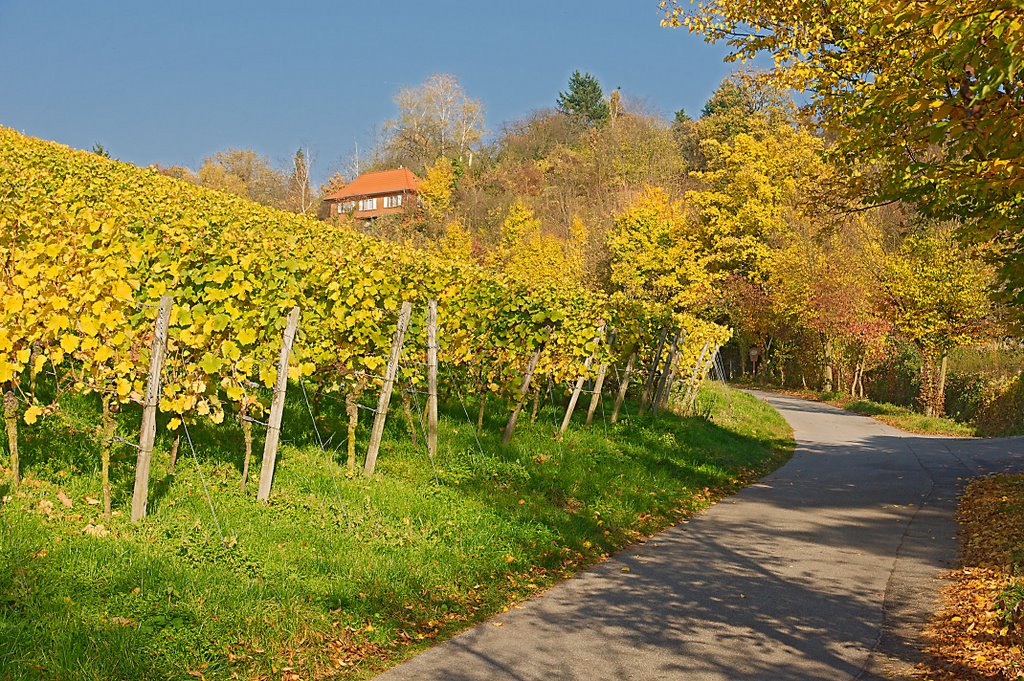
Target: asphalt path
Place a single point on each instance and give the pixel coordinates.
(826, 569)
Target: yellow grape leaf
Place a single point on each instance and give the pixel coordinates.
(14, 303)
(234, 392)
(6, 371)
(32, 414)
(122, 290)
(124, 387)
(210, 363)
(103, 353)
(24, 354)
(294, 373)
(89, 325)
(174, 424)
(268, 375)
(57, 322)
(246, 336)
(37, 365)
(230, 350)
(69, 343)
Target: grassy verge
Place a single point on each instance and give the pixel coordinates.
(907, 419)
(335, 577)
(896, 416)
(980, 632)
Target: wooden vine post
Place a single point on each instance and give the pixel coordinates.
(277, 407)
(624, 384)
(149, 407)
(667, 394)
(385, 391)
(698, 374)
(659, 391)
(432, 378)
(652, 373)
(524, 390)
(579, 383)
(595, 396)
(11, 422)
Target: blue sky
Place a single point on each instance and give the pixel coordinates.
(173, 82)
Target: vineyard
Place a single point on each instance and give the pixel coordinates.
(144, 318)
(89, 246)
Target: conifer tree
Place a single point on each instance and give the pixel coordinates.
(584, 99)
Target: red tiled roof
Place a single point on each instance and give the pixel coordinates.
(383, 182)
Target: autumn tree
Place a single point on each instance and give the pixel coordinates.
(929, 95)
(935, 293)
(584, 99)
(245, 173)
(657, 259)
(531, 255)
(434, 119)
(436, 188)
(752, 184)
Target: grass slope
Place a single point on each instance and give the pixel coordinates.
(335, 577)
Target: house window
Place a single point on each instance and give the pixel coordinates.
(346, 206)
(368, 204)
(393, 201)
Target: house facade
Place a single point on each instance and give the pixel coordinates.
(372, 195)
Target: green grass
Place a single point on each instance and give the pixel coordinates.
(335, 576)
(907, 419)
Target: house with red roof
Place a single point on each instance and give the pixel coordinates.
(372, 195)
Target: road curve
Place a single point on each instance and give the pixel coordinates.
(825, 569)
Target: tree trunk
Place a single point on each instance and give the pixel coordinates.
(174, 452)
(536, 403)
(480, 413)
(247, 438)
(931, 400)
(829, 376)
(352, 410)
(409, 421)
(941, 389)
(11, 421)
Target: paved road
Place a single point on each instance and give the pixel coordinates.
(825, 569)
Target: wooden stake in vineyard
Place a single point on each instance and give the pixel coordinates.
(699, 372)
(652, 373)
(579, 383)
(11, 423)
(432, 378)
(385, 391)
(524, 390)
(149, 407)
(659, 391)
(277, 407)
(595, 396)
(624, 384)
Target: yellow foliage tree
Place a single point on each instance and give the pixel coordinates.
(435, 191)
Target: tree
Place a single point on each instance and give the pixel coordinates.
(435, 191)
(929, 96)
(584, 99)
(435, 119)
(657, 260)
(300, 195)
(245, 173)
(935, 293)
